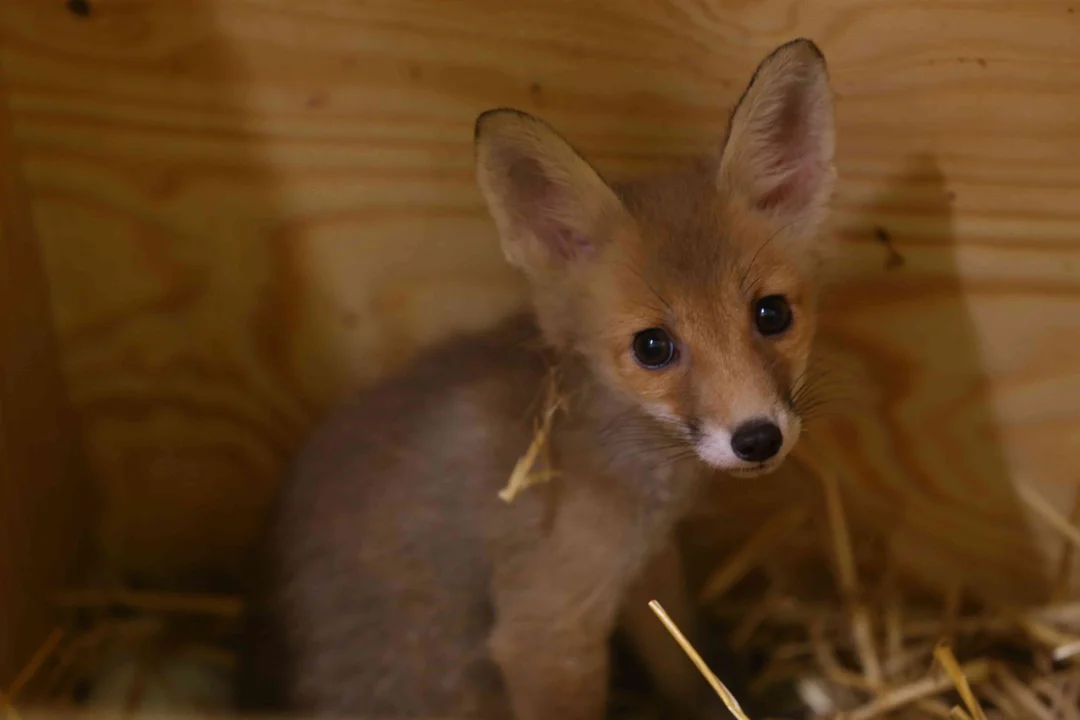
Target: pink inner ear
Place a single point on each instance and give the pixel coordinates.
(792, 154)
(795, 190)
(542, 205)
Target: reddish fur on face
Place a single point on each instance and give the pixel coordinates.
(694, 267)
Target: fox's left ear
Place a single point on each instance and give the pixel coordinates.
(780, 143)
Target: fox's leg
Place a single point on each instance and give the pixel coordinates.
(557, 598)
(672, 672)
(551, 672)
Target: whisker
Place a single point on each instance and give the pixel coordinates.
(749, 267)
(648, 285)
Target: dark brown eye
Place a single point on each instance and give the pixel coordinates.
(772, 315)
(653, 348)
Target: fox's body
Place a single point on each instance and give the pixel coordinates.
(422, 551)
(403, 586)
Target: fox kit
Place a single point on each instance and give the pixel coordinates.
(678, 312)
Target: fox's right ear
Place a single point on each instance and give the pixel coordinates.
(550, 206)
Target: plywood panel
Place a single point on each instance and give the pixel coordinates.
(247, 207)
(43, 506)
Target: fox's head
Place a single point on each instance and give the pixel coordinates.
(694, 293)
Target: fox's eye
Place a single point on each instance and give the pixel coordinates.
(772, 315)
(653, 348)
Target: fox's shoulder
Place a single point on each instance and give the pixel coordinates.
(487, 378)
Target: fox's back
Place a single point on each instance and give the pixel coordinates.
(383, 534)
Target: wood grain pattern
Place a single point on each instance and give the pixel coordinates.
(248, 206)
(42, 500)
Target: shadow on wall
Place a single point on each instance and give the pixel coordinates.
(156, 209)
(928, 471)
(908, 422)
(43, 503)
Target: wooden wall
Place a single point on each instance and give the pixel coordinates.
(43, 503)
(248, 206)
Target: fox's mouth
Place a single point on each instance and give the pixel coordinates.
(741, 469)
(757, 470)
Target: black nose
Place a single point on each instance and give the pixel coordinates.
(757, 441)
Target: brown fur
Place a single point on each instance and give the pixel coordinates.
(401, 585)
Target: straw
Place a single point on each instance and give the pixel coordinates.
(918, 690)
(766, 539)
(944, 655)
(849, 582)
(721, 690)
(522, 476)
(23, 678)
(1068, 555)
(1053, 518)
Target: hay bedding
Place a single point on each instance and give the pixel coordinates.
(871, 653)
(132, 654)
(865, 651)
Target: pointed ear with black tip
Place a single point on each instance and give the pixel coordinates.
(550, 206)
(781, 140)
